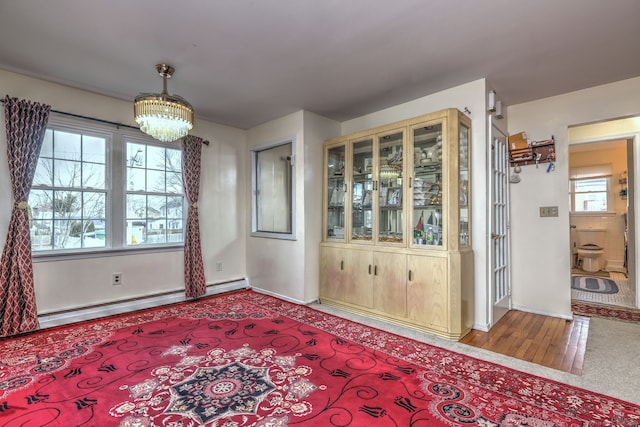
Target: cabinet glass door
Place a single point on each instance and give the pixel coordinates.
(427, 186)
(335, 193)
(362, 195)
(390, 223)
(464, 184)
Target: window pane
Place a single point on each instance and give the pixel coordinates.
(67, 173)
(41, 232)
(586, 185)
(155, 181)
(94, 206)
(174, 160)
(174, 182)
(136, 206)
(66, 145)
(67, 204)
(174, 231)
(175, 207)
(47, 144)
(155, 157)
(156, 206)
(93, 235)
(591, 202)
(135, 155)
(67, 234)
(93, 149)
(44, 173)
(135, 179)
(93, 175)
(136, 232)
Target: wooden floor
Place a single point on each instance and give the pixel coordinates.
(548, 341)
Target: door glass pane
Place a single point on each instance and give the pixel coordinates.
(335, 192)
(464, 185)
(427, 185)
(390, 194)
(362, 195)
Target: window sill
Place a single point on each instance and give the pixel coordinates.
(103, 253)
(607, 213)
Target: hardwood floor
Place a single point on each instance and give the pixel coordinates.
(548, 341)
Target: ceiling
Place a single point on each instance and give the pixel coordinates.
(245, 62)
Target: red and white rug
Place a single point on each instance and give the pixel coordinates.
(246, 359)
(591, 309)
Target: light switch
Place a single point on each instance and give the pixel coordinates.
(548, 211)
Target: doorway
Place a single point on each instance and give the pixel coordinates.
(601, 218)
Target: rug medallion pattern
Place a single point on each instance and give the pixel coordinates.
(246, 359)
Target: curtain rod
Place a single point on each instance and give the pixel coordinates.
(116, 124)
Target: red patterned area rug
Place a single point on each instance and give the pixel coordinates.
(606, 311)
(246, 359)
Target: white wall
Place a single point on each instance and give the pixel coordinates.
(540, 246)
(289, 268)
(473, 96)
(69, 284)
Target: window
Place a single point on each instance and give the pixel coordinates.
(154, 196)
(97, 189)
(273, 191)
(68, 199)
(591, 194)
(591, 188)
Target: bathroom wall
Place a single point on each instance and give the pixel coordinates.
(613, 153)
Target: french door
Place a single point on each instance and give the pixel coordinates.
(499, 224)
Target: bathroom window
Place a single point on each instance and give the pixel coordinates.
(591, 194)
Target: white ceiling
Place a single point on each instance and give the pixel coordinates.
(245, 62)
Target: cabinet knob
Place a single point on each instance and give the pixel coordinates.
(410, 276)
(375, 270)
(410, 179)
(342, 265)
(369, 268)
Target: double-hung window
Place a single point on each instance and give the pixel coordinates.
(98, 189)
(591, 189)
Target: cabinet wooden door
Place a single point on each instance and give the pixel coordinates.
(427, 291)
(333, 273)
(358, 280)
(389, 283)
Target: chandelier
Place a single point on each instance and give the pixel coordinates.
(165, 117)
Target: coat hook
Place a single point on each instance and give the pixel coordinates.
(466, 110)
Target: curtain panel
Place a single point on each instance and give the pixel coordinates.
(26, 123)
(194, 280)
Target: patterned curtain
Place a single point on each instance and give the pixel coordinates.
(26, 123)
(194, 282)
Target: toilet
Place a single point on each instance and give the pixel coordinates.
(590, 248)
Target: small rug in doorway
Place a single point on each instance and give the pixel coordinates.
(582, 308)
(599, 273)
(600, 285)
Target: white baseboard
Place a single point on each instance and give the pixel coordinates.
(119, 307)
(544, 313)
(481, 327)
(277, 295)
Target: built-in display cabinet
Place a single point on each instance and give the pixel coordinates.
(396, 223)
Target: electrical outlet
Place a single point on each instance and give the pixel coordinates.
(116, 279)
(548, 211)
(219, 266)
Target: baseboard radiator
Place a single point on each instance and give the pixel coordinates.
(94, 312)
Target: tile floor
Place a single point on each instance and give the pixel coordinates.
(625, 297)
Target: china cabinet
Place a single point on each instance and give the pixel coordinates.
(396, 223)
